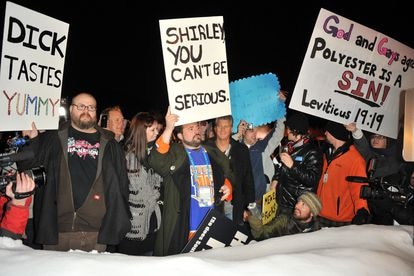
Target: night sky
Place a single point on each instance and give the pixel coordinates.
(114, 47)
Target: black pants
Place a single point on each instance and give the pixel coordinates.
(137, 248)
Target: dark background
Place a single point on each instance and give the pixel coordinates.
(114, 48)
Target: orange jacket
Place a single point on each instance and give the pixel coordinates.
(340, 198)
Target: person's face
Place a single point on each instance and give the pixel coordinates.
(262, 132)
(116, 122)
(152, 132)
(84, 118)
(302, 211)
(329, 138)
(223, 129)
(378, 141)
(191, 135)
(250, 136)
(290, 135)
(203, 127)
(159, 127)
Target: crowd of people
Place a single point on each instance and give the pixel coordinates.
(143, 186)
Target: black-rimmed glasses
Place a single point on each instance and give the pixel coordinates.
(82, 107)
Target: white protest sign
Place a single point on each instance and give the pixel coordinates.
(31, 72)
(195, 62)
(353, 74)
(408, 141)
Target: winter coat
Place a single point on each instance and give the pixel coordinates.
(341, 198)
(388, 165)
(174, 167)
(303, 176)
(243, 184)
(260, 158)
(280, 226)
(13, 218)
(50, 150)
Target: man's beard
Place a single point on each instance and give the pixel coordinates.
(85, 124)
(193, 143)
(299, 216)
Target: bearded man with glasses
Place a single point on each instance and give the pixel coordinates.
(84, 204)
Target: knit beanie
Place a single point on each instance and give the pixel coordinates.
(299, 123)
(337, 130)
(312, 201)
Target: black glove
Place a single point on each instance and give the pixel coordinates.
(361, 217)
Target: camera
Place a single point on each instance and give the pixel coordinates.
(381, 190)
(377, 188)
(249, 126)
(38, 175)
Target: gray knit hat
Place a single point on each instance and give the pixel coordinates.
(312, 201)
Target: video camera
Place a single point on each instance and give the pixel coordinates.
(377, 188)
(38, 174)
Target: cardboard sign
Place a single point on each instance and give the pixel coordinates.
(408, 144)
(195, 63)
(217, 231)
(269, 206)
(256, 100)
(31, 72)
(353, 74)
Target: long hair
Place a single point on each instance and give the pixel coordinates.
(136, 142)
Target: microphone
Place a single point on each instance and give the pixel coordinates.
(16, 157)
(358, 179)
(372, 166)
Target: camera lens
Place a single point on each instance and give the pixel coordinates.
(38, 175)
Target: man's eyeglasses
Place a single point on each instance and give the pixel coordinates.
(82, 107)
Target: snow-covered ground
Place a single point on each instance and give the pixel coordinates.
(351, 250)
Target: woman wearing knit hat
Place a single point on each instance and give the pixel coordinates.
(303, 219)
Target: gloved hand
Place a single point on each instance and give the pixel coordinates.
(361, 217)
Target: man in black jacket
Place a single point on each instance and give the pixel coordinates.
(301, 164)
(84, 204)
(238, 155)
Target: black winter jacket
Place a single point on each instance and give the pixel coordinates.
(49, 148)
(303, 176)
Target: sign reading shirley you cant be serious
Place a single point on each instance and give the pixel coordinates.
(195, 64)
(31, 72)
(353, 74)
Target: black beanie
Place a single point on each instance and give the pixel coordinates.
(337, 130)
(298, 123)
